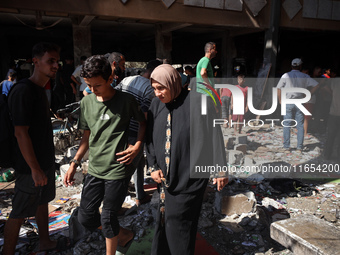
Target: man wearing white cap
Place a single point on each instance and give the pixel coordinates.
(295, 79)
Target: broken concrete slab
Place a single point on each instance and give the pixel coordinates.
(241, 139)
(307, 234)
(235, 204)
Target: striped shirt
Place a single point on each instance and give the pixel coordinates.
(141, 89)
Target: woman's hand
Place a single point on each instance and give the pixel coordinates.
(157, 176)
(221, 182)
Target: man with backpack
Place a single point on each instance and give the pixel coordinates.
(34, 151)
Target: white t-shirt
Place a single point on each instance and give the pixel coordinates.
(296, 79)
(76, 74)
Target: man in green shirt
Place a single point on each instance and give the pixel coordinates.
(204, 70)
(105, 117)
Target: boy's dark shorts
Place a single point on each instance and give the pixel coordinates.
(27, 197)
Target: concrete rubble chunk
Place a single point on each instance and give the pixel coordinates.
(234, 157)
(271, 202)
(241, 147)
(241, 139)
(230, 142)
(306, 234)
(236, 204)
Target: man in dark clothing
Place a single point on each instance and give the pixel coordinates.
(69, 87)
(34, 154)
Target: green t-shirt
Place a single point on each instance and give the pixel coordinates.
(204, 63)
(109, 124)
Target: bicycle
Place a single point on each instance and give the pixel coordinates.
(65, 127)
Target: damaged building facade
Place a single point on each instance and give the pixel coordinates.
(248, 33)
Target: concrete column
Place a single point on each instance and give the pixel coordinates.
(81, 42)
(163, 42)
(228, 52)
(271, 45)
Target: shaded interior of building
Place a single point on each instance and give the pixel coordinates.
(136, 40)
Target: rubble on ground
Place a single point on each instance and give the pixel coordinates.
(234, 221)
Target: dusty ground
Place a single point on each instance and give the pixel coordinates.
(250, 234)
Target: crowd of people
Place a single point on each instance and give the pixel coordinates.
(120, 117)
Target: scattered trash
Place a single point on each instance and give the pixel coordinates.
(62, 200)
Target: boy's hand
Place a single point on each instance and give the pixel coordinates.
(157, 176)
(128, 155)
(69, 176)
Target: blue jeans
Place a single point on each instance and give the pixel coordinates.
(138, 176)
(225, 107)
(292, 112)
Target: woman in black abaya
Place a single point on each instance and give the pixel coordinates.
(168, 155)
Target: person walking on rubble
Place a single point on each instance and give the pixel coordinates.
(105, 117)
(140, 87)
(295, 79)
(34, 157)
(171, 157)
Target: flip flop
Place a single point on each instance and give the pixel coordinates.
(122, 250)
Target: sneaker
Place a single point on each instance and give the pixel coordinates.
(299, 150)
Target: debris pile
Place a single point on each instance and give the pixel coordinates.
(234, 221)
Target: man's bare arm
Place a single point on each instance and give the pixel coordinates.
(26, 148)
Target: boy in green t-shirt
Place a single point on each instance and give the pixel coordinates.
(105, 117)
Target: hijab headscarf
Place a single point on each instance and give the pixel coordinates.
(168, 77)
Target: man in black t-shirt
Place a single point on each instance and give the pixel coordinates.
(34, 155)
